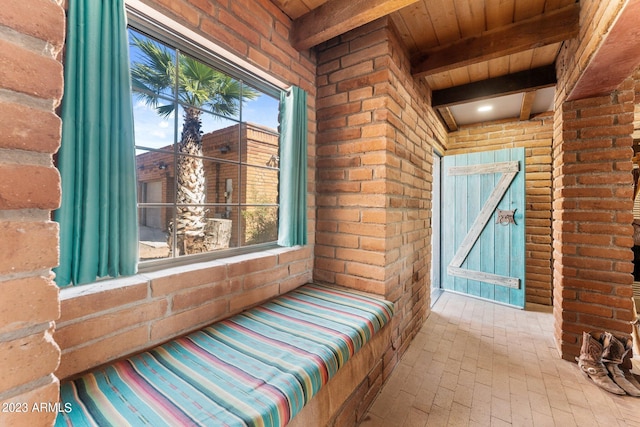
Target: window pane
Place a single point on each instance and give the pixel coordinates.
(189, 131)
(216, 232)
(221, 182)
(260, 224)
(190, 181)
(219, 232)
(153, 66)
(220, 137)
(261, 110)
(155, 176)
(224, 212)
(153, 232)
(231, 212)
(152, 130)
(261, 186)
(202, 181)
(260, 146)
(204, 87)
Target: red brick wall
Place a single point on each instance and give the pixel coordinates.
(593, 202)
(30, 90)
(376, 132)
(111, 319)
(636, 115)
(108, 320)
(535, 136)
(592, 194)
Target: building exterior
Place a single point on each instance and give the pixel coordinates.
(371, 141)
(257, 146)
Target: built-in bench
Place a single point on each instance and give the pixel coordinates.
(257, 368)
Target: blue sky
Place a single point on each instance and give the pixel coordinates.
(152, 130)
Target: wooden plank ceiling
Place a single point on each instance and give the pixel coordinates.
(466, 50)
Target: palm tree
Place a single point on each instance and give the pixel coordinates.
(199, 88)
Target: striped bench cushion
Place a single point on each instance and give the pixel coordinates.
(258, 368)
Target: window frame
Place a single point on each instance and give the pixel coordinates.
(169, 32)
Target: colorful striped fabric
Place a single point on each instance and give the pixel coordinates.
(258, 368)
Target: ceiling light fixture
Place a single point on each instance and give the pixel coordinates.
(485, 108)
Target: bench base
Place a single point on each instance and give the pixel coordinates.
(260, 367)
(328, 404)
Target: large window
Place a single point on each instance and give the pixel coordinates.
(207, 157)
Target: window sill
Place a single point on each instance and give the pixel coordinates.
(113, 318)
(153, 270)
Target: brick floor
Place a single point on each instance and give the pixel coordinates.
(475, 363)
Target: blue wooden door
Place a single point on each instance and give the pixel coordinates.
(483, 225)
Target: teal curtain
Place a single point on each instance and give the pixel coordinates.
(98, 213)
(292, 226)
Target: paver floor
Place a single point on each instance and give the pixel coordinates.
(475, 363)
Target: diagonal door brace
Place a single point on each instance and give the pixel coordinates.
(509, 171)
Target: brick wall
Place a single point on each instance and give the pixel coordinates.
(111, 319)
(592, 193)
(31, 37)
(376, 132)
(593, 202)
(636, 115)
(535, 136)
(596, 17)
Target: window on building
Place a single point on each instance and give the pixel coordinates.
(207, 162)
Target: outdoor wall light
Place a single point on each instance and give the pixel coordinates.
(273, 161)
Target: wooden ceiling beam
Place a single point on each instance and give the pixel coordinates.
(448, 118)
(527, 80)
(336, 17)
(542, 30)
(527, 103)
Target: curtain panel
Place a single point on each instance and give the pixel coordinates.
(98, 214)
(292, 226)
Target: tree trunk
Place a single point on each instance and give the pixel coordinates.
(190, 176)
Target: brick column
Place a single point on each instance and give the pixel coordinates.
(374, 155)
(30, 90)
(376, 132)
(593, 202)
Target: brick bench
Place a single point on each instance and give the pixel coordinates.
(260, 367)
